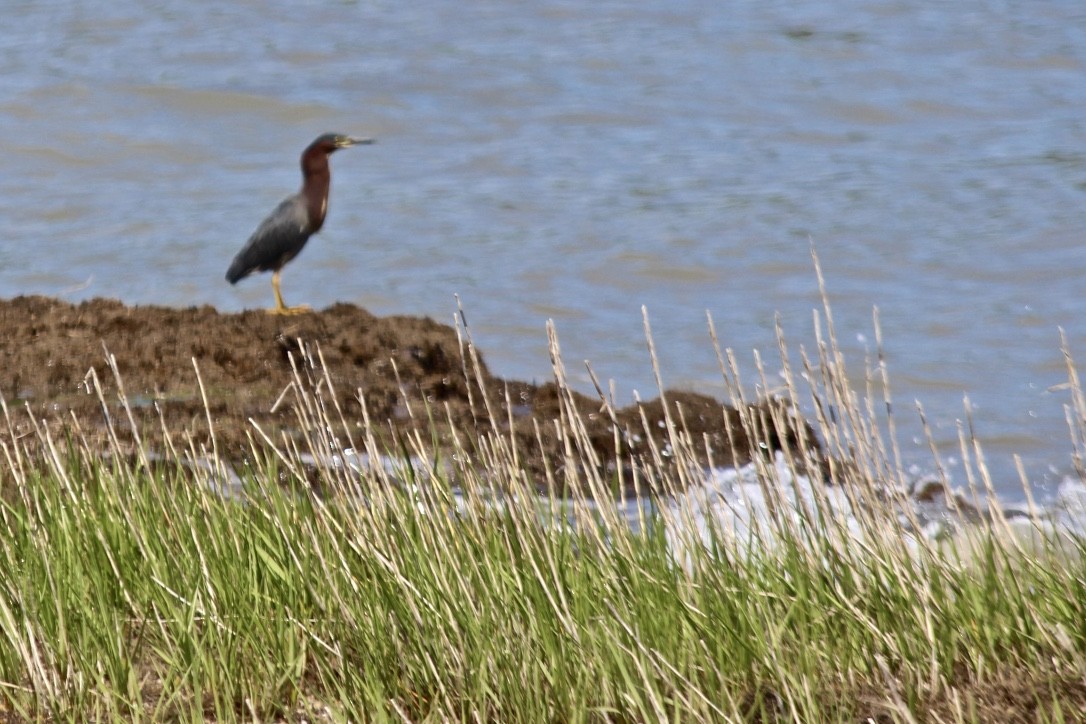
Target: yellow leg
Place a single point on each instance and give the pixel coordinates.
(281, 308)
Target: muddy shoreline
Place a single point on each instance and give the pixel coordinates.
(246, 361)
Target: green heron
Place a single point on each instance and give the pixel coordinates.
(281, 236)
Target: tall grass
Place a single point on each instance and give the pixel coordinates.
(330, 579)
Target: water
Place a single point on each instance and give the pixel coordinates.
(574, 161)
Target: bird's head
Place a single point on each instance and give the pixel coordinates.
(332, 142)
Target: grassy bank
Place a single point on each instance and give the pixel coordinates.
(436, 584)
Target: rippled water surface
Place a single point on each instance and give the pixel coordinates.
(574, 161)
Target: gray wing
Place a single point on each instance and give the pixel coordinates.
(276, 241)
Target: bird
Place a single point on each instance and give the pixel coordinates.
(282, 235)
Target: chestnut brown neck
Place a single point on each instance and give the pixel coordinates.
(316, 181)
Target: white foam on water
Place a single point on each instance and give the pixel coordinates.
(732, 506)
(1068, 510)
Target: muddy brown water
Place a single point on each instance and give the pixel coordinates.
(398, 365)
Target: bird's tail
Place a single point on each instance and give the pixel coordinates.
(238, 270)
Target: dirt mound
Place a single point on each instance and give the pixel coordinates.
(244, 360)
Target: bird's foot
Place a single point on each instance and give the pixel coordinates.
(290, 311)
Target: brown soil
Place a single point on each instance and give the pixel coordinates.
(244, 361)
(1008, 694)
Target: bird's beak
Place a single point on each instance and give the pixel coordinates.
(348, 141)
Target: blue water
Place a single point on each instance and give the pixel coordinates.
(575, 161)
